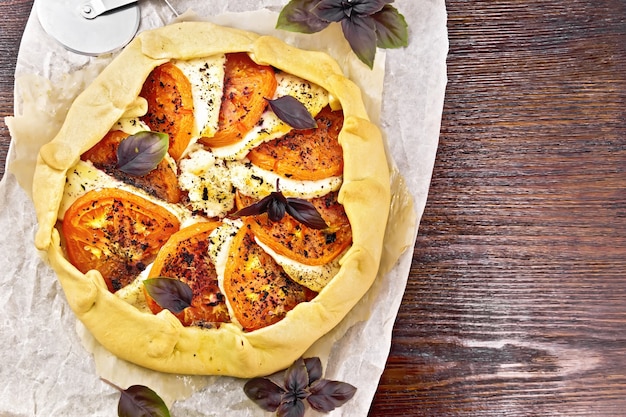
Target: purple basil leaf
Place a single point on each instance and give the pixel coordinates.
(140, 401)
(327, 395)
(265, 393)
(296, 377)
(169, 293)
(296, 16)
(361, 35)
(368, 7)
(331, 10)
(254, 209)
(140, 153)
(276, 210)
(314, 368)
(291, 111)
(391, 28)
(306, 213)
(336, 10)
(291, 409)
(274, 205)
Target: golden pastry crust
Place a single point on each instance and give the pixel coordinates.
(160, 342)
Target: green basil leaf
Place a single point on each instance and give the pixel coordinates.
(140, 153)
(140, 401)
(391, 28)
(169, 293)
(297, 16)
(291, 111)
(360, 33)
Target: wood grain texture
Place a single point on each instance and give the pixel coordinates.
(14, 16)
(516, 300)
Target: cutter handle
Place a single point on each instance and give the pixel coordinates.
(94, 8)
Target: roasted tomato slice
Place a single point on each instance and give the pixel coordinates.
(115, 232)
(310, 154)
(260, 292)
(170, 106)
(246, 86)
(161, 182)
(301, 243)
(185, 257)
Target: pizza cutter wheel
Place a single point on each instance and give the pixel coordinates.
(90, 27)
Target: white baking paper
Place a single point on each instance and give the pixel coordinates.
(52, 366)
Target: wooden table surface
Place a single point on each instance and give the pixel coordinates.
(516, 300)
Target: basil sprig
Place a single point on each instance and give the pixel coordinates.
(301, 382)
(276, 205)
(366, 24)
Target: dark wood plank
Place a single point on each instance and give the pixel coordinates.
(516, 303)
(14, 16)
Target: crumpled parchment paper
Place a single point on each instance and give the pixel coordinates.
(52, 366)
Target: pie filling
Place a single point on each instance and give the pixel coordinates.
(227, 150)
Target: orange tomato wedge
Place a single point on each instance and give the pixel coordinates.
(301, 243)
(115, 232)
(170, 106)
(258, 289)
(161, 182)
(185, 257)
(246, 86)
(311, 154)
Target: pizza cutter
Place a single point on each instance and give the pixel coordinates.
(90, 27)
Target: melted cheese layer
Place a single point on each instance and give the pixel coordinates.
(207, 182)
(314, 98)
(257, 182)
(206, 76)
(313, 277)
